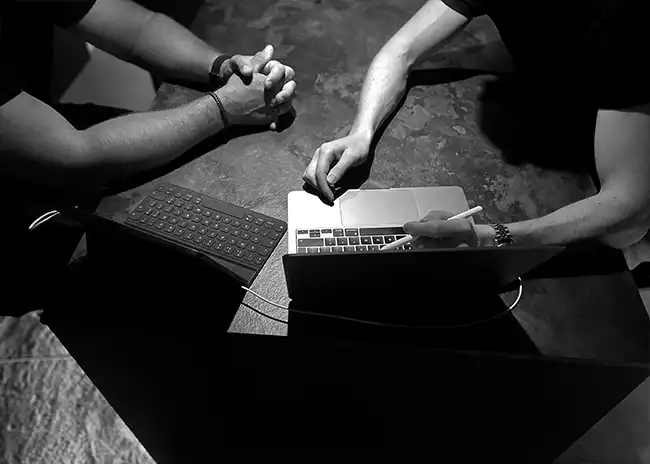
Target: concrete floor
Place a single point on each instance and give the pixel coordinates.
(623, 436)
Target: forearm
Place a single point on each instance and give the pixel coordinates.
(167, 49)
(134, 143)
(382, 91)
(598, 216)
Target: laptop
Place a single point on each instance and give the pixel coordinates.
(365, 274)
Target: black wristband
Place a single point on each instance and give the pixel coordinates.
(215, 70)
(222, 110)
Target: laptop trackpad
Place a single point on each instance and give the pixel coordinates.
(378, 207)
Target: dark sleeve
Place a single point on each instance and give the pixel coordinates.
(8, 89)
(468, 8)
(67, 13)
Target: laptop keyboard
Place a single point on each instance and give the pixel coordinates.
(348, 240)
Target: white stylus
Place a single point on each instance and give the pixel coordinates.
(408, 238)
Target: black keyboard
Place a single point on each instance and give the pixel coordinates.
(348, 240)
(218, 229)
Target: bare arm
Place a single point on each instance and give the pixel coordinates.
(147, 39)
(620, 213)
(428, 30)
(37, 143)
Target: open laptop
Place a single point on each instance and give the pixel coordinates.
(315, 274)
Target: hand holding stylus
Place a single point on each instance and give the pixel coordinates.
(436, 225)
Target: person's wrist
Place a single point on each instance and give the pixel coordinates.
(363, 132)
(485, 234)
(225, 110)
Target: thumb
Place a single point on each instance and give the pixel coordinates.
(265, 56)
(417, 229)
(340, 168)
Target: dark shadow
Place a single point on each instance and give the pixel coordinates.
(534, 123)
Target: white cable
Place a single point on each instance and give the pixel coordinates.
(480, 321)
(42, 219)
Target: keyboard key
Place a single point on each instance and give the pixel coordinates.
(249, 257)
(212, 233)
(143, 219)
(373, 248)
(179, 231)
(312, 233)
(195, 218)
(217, 217)
(280, 228)
(164, 217)
(226, 229)
(179, 203)
(160, 205)
(222, 237)
(199, 239)
(187, 216)
(188, 207)
(155, 214)
(360, 248)
(158, 195)
(326, 231)
(337, 249)
(330, 241)
(259, 221)
(197, 200)
(189, 236)
(226, 220)
(236, 223)
(269, 225)
(381, 231)
(259, 260)
(176, 211)
(255, 239)
(378, 240)
(209, 243)
(168, 190)
(140, 209)
(197, 210)
(219, 246)
(338, 232)
(302, 232)
(173, 220)
(246, 226)
(178, 194)
(160, 225)
(325, 249)
(206, 222)
(241, 244)
(187, 197)
(160, 188)
(148, 211)
(231, 241)
(269, 243)
(389, 239)
(168, 209)
(151, 222)
(252, 248)
(207, 213)
(192, 227)
(305, 242)
(215, 226)
(235, 232)
(354, 240)
(239, 253)
(265, 232)
(400, 237)
(313, 250)
(353, 232)
(134, 216)
(262, 251)
(302, 250)
(228, 249)
(256, 230)
(170, 200)
(183, 223)
(245, 236)
(249, 218)
(342, 241)
(349, 248)
(203, 231)
(408, 246)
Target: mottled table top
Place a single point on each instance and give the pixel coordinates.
(434, 140)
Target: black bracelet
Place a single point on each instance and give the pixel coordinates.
(215, 70)
(222, 110)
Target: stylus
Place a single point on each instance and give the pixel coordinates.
(408, 238)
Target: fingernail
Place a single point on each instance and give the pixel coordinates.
(331, 179)
(246, 69)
